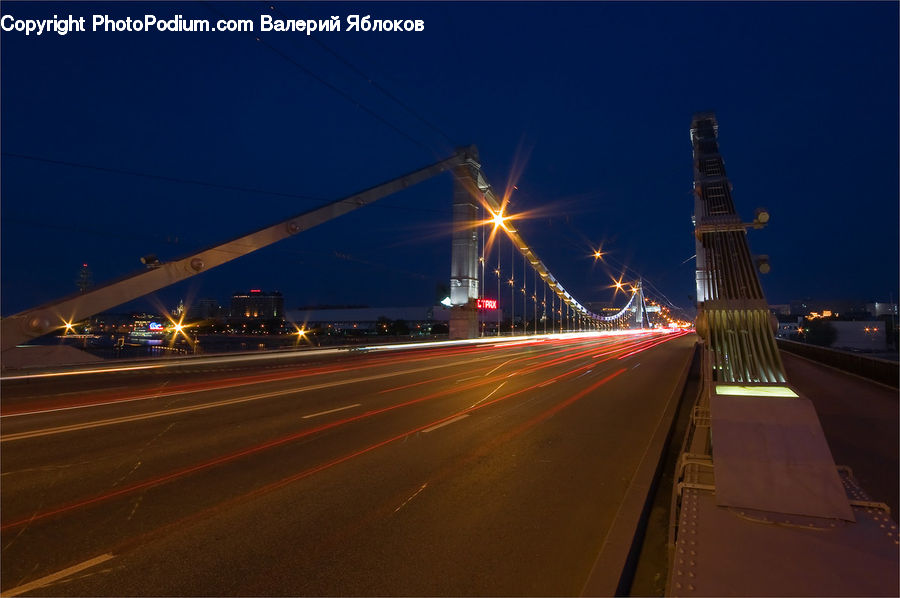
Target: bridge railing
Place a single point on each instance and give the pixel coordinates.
(880, 370)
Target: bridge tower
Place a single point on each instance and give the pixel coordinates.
(755, 465)
(732, 312)
(464, 258)
(640, 308)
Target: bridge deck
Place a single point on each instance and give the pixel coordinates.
(724, 551)
(735, 552)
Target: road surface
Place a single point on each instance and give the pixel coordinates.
(452, 470)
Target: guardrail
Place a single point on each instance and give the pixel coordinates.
(872, 368)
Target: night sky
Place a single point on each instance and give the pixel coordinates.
(592, 102)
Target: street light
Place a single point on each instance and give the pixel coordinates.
(499, 219)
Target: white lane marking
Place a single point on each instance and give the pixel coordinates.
(117, 401)
(499, 366)
(48, 579)
(256, 356)
(584, 374)
(446, 423)
(489, 395)
(182, 363)
(548, 383)
(179, 410)
(174, 393)
(186, 392)
(331, 411)
(292, 354)
(469, 378)
(77, 372)
(415, 494)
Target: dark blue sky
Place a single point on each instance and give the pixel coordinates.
(594, 100)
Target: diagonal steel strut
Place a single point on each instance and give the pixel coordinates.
(38, 321)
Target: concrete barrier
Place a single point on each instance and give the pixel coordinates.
(872, 368)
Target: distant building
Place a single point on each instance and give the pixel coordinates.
(257, 305)
(141, 324)
(148, 328)
(366, 320)
(204, 309)
(783, 309)
(844, 309)
(800, 308)
(85, 279)
(789, 330)
(880, 308)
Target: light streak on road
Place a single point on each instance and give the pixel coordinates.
(207, 458)
(653, 343)
(54, 577)
(436, 350)
(490, 394)
(255, 449)
(180, 362)
(330, 411)
(261, 396)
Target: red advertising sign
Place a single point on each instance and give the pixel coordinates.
(487, 304)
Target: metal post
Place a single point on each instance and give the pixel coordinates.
(544, 307)
(482, 283)
(512, 288)
(499, 311)
(554, 323)
(524, 297)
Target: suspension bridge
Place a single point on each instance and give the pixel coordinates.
(518, 465)
(475, 203)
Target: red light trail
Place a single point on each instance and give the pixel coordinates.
(255, 449)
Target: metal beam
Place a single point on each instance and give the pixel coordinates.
(41, 320)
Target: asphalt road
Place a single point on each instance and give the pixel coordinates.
(454, 470)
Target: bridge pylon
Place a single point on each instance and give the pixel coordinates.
(464, 282)
(640, 307)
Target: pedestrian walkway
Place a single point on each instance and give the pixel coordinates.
(861, 421)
